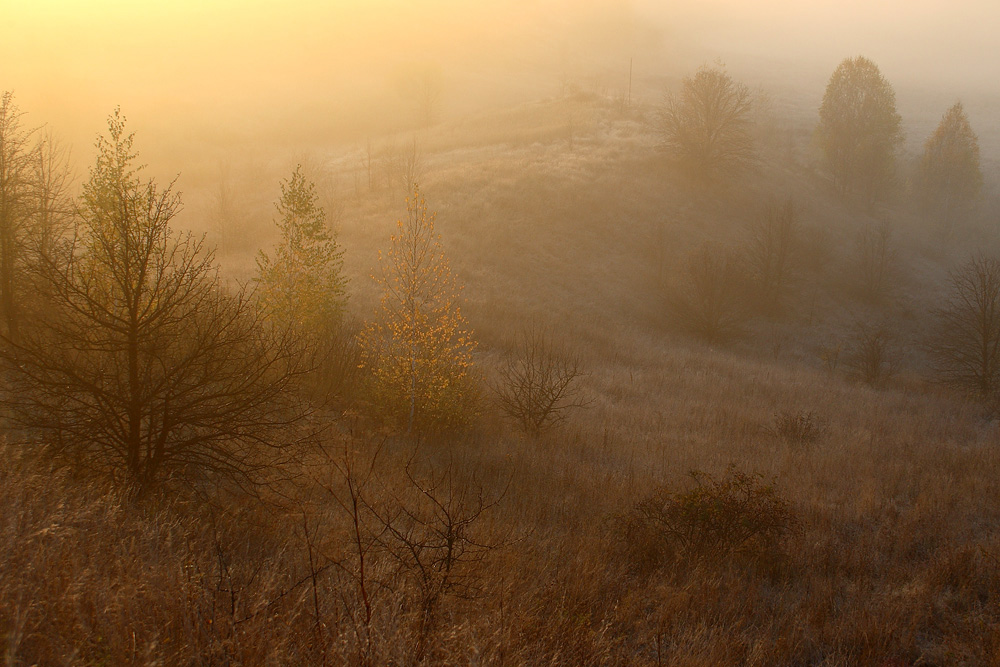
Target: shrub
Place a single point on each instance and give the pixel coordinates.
(736, 518)
(798, 427)
(873, 354)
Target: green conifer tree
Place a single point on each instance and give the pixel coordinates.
(303, 282)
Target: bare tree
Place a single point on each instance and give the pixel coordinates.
(539, 385)
(433, 532)
(875, 261)
(411, 166)
(966, 343)
(392, 167)
(407, 543)
(350, 488)
(401, 166)
(711, 300)
(707, 127)
(224, 214)
(16, 159)
(772, 255)
(236, 206)
(369, 164)
(52, 205)
(143, 366)
(421, 86)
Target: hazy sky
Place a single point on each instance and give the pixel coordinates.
(251, 63)
(917, 40)
(222, 70)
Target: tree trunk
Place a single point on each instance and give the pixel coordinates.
(7, 257)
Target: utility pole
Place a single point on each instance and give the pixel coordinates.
(630, 83)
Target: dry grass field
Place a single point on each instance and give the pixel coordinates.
(490, 547)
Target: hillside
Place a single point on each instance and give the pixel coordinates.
(563, 213)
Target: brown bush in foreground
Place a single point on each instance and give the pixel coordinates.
(736, 517)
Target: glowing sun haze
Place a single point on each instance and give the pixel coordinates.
(218, 70)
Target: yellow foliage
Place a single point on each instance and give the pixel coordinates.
(418, 348)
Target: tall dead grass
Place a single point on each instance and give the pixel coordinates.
(898, 503)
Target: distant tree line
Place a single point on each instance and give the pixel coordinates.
(707, 129)
(707, 133)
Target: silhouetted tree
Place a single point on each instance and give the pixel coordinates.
(949, 177)
(421, 86)
(859, 130)
(143, 367)
(418, 347)
(540, 383)
(52, 203)
(707, 127)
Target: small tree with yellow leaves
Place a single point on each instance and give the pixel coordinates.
(303, 283)
(418, 348)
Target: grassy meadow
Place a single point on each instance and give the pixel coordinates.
(495, 547)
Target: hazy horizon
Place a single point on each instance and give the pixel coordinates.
(232, 73)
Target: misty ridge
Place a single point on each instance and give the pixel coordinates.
(569, 333)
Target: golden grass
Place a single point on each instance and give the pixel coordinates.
(898, 496)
